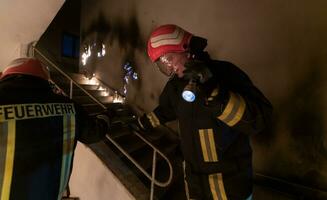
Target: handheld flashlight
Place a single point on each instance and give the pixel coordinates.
(190, 90)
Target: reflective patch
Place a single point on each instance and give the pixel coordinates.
(31, 111)
(234, 110)
(7, 152)
(208, 146)
(173, 38)
(153, 119)
(214, 92)
(217, 186)
(67, 151)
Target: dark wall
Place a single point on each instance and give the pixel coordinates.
(280, 44)
(67, 21)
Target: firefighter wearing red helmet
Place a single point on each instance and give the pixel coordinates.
(38, 133)
(215, 127)
(26, 66)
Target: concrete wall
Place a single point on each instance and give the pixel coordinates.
(67, 21)
(23, 22)
(280, 44)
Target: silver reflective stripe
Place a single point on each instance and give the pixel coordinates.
(173, 38)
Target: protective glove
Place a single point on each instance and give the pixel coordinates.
(197, 70)
(143, 122)
(120, 118)
(105, 120)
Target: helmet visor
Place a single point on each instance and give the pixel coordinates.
(163, 68)
(165, 65)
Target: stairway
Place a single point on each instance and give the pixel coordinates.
(164, 139)
(122, 133)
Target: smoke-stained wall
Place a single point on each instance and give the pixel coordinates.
(280, 44)
(67, 21)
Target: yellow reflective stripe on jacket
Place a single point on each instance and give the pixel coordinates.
(153, 119)
(234, 110)
(7, 152)
(67, 148)
(208, 146)
(217, 186)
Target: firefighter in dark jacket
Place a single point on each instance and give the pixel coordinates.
(215, 121)
(38, 133)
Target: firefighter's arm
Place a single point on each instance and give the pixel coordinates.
(236, 102)
(249, 113)
(91, 129)
(163, 113)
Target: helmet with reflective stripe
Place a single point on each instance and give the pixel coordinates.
(26, 66)
(167, 39)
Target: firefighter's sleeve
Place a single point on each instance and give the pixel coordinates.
(247, 111)
(90, 129)
(163, 113)
(241, 105)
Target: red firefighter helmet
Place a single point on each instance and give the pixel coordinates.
(167, 39)
(27, 66)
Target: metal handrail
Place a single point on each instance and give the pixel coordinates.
(155, 150)
(152, 176)
(69, 78)
(158, 183)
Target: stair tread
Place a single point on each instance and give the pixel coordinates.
(130, 142)
(144, 156)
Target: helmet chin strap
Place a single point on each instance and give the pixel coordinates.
(172, 76)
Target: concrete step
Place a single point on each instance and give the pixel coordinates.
(92, 108)
(117, 131)
(80, 78)
(87, 100)
(130, 143)
(90, 87)
(78, 92)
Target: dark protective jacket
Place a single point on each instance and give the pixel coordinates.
(215, 129)
(38, 134)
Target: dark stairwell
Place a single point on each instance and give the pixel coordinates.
(166, 140)
(122, 133)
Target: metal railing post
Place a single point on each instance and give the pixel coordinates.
(71, 90)
(33, 52)
(153, 173)
(69, 78)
